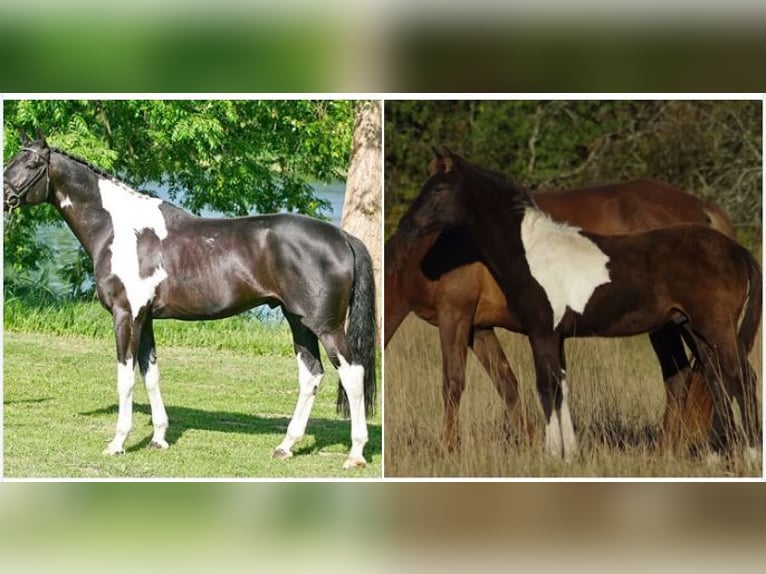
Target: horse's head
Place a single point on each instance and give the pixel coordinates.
(442, 201)
(25, 178)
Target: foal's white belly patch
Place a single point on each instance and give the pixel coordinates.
(568, 266)
(131, 213)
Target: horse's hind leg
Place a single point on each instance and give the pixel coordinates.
(147, 364)
(490, 354)
(310, 374)
(730, 382)
(352, 380)
(670, 351)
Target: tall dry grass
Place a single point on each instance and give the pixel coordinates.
(617, 401)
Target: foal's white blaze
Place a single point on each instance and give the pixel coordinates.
(352, 379)
(66, 202)
(308, 385)
(568, 266)
(125, 383)
(131, 213)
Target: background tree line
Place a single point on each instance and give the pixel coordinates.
(234, 157)
(710, 148)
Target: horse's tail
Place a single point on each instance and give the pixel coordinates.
(751, 317)
(362, 329)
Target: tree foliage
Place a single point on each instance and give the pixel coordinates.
(711, 148)
(234, 157)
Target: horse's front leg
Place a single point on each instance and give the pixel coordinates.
(147, 365)
(547, 352)
(488, 351)
(126, 330)
(454, 333)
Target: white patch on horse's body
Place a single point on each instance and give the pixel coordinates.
(307, 391)
(66, 202)
(568, 266)
(131, 213)
(352, 379)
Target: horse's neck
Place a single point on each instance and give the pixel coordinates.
(497, 235)
(402, 252)
(80, 208)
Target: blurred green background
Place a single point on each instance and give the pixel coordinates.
(710, 148)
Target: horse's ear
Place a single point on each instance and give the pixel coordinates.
(41, 136)
(442, 163)
(24, 137)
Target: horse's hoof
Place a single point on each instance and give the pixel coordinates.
(281, 454)
(109, 451)
(354, 463)
(159, 445)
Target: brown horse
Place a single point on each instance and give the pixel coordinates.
(620, 206)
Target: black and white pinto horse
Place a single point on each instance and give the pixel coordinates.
(153, 260)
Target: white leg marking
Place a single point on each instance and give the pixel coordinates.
(125, 381)
(131, 213)
(159, 415)
(567, 428)
(567, 265)
(553, 445)
(308, 385)
(352, 379)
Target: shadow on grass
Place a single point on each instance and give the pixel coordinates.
(28, 401)
(326, 432)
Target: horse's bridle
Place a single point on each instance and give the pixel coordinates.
(14, 197)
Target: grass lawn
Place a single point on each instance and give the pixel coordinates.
(228, 410)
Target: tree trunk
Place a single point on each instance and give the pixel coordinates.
(362, 214)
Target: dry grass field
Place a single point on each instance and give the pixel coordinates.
(617, 401)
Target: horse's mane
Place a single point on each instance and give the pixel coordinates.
(90, 166)
(509, 187)
(99, 171)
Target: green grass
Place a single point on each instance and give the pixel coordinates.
(229, 390)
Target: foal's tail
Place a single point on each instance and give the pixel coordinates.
(751, 318)
(362, 329)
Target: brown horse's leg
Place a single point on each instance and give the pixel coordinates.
(454, 333)
(698, 411)
(669, 347)
(729, 383)
(488, 351)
